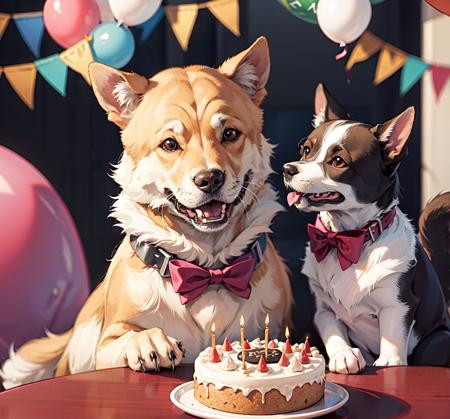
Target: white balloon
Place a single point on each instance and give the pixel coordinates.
(134, 12)
(105, 11)
(343, 21)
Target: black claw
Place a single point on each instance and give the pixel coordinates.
(171, 355)
(154, 358)
(180, 345)
(143, 368)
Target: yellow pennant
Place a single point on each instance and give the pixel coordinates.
(367, 46)
(391, 60)
(78, 57)
(22, 78)
(4, 20)
(182, 20)
(227, 13)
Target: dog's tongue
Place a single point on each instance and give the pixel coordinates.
(211, 209)
(293, 197)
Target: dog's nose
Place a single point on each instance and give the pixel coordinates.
(289, 170)
(209, 180)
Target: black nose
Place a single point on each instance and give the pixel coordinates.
(289, 170)
(209, 180)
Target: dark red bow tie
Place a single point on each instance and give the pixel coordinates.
(349, 243)
(190, 280)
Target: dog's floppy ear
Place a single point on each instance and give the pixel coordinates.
(117, 92)
(250, 69)
(326, 107)
(394, 135)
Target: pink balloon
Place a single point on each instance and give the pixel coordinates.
(43, 275)
(68, 21)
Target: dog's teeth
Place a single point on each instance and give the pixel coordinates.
(199, 212)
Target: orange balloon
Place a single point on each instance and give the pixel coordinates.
(442, 5)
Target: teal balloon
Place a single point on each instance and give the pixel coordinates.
(303, 9)
(377, 1)
(112, 45)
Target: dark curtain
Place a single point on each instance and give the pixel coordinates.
(72, 143)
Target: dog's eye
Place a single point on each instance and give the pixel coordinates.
(338, 162)
(230, 135)
(306, 150)
(170, 145)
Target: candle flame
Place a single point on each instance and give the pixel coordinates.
(213, 328)
(287, 333)
(242, 323)
(267, 320)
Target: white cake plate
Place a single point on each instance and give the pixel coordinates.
(183, 397)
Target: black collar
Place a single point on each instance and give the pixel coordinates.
(158, 258)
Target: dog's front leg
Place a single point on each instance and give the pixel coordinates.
(123, 344)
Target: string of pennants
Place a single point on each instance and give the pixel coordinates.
(392, 59)
(22, 77)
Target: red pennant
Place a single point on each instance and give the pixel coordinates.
(226, 346)
(304, 358)
(272, 344)
(214, 357)
(287, 347)
(306, 346)
(247, 345)
(262, 366)
(439, 75)
(284, 360)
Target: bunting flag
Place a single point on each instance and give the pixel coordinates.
(439, 76)
(227, 13)
(182, 20)
(31, 28)
(149, 26)
(411, 73)
(78, 57)
(54, 71)
(368, 45)
(4, 20)
(22, 78)
(390, 61)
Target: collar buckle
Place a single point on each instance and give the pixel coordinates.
(372, 231)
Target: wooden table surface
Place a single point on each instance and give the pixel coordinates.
(419, 392)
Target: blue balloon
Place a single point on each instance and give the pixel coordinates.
(112, 45)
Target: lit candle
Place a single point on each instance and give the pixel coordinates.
(287, 345)
(286, 333)
(266, 337)
(244, 367)
(213, 335)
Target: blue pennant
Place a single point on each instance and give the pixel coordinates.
(149, 26)
(31, 29)
(54, 71)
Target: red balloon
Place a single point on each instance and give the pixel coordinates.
(442, 5)
(68, 21)
(43, 275)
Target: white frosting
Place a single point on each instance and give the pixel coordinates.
(280, 378)
(295, 364)
(228, 364)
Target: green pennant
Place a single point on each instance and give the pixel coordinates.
(412, 71)
(54, 71)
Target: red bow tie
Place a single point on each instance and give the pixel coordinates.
(190, 280)
(349, 243)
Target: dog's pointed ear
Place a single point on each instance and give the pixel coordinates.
(117, 92)
(326, 108)
(394, 135)
(250, 69)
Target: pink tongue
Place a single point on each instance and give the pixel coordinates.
(293, 197)
(212, 209)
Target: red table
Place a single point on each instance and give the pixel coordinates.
(419, 392)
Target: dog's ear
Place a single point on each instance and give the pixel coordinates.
(326, 108)
(394, 134)
(117, 92)
(250, 69)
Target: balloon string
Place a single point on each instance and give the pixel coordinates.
(342, 54)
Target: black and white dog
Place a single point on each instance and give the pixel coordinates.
(378, 297)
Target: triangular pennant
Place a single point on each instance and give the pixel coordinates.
(4, 20)
(412, 71)
(368, 45)
(182, 20)
(439, 76)
(391, 60)
(227, 13)
(22, 78)
(149, 26)
(78, 57)
(31, 29)
(54, 71)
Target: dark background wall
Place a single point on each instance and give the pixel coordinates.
(72, 143)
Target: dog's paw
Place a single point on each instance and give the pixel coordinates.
(346, 360)
(152, 349)
(388, 361)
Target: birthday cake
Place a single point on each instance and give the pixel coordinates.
(283, 379)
